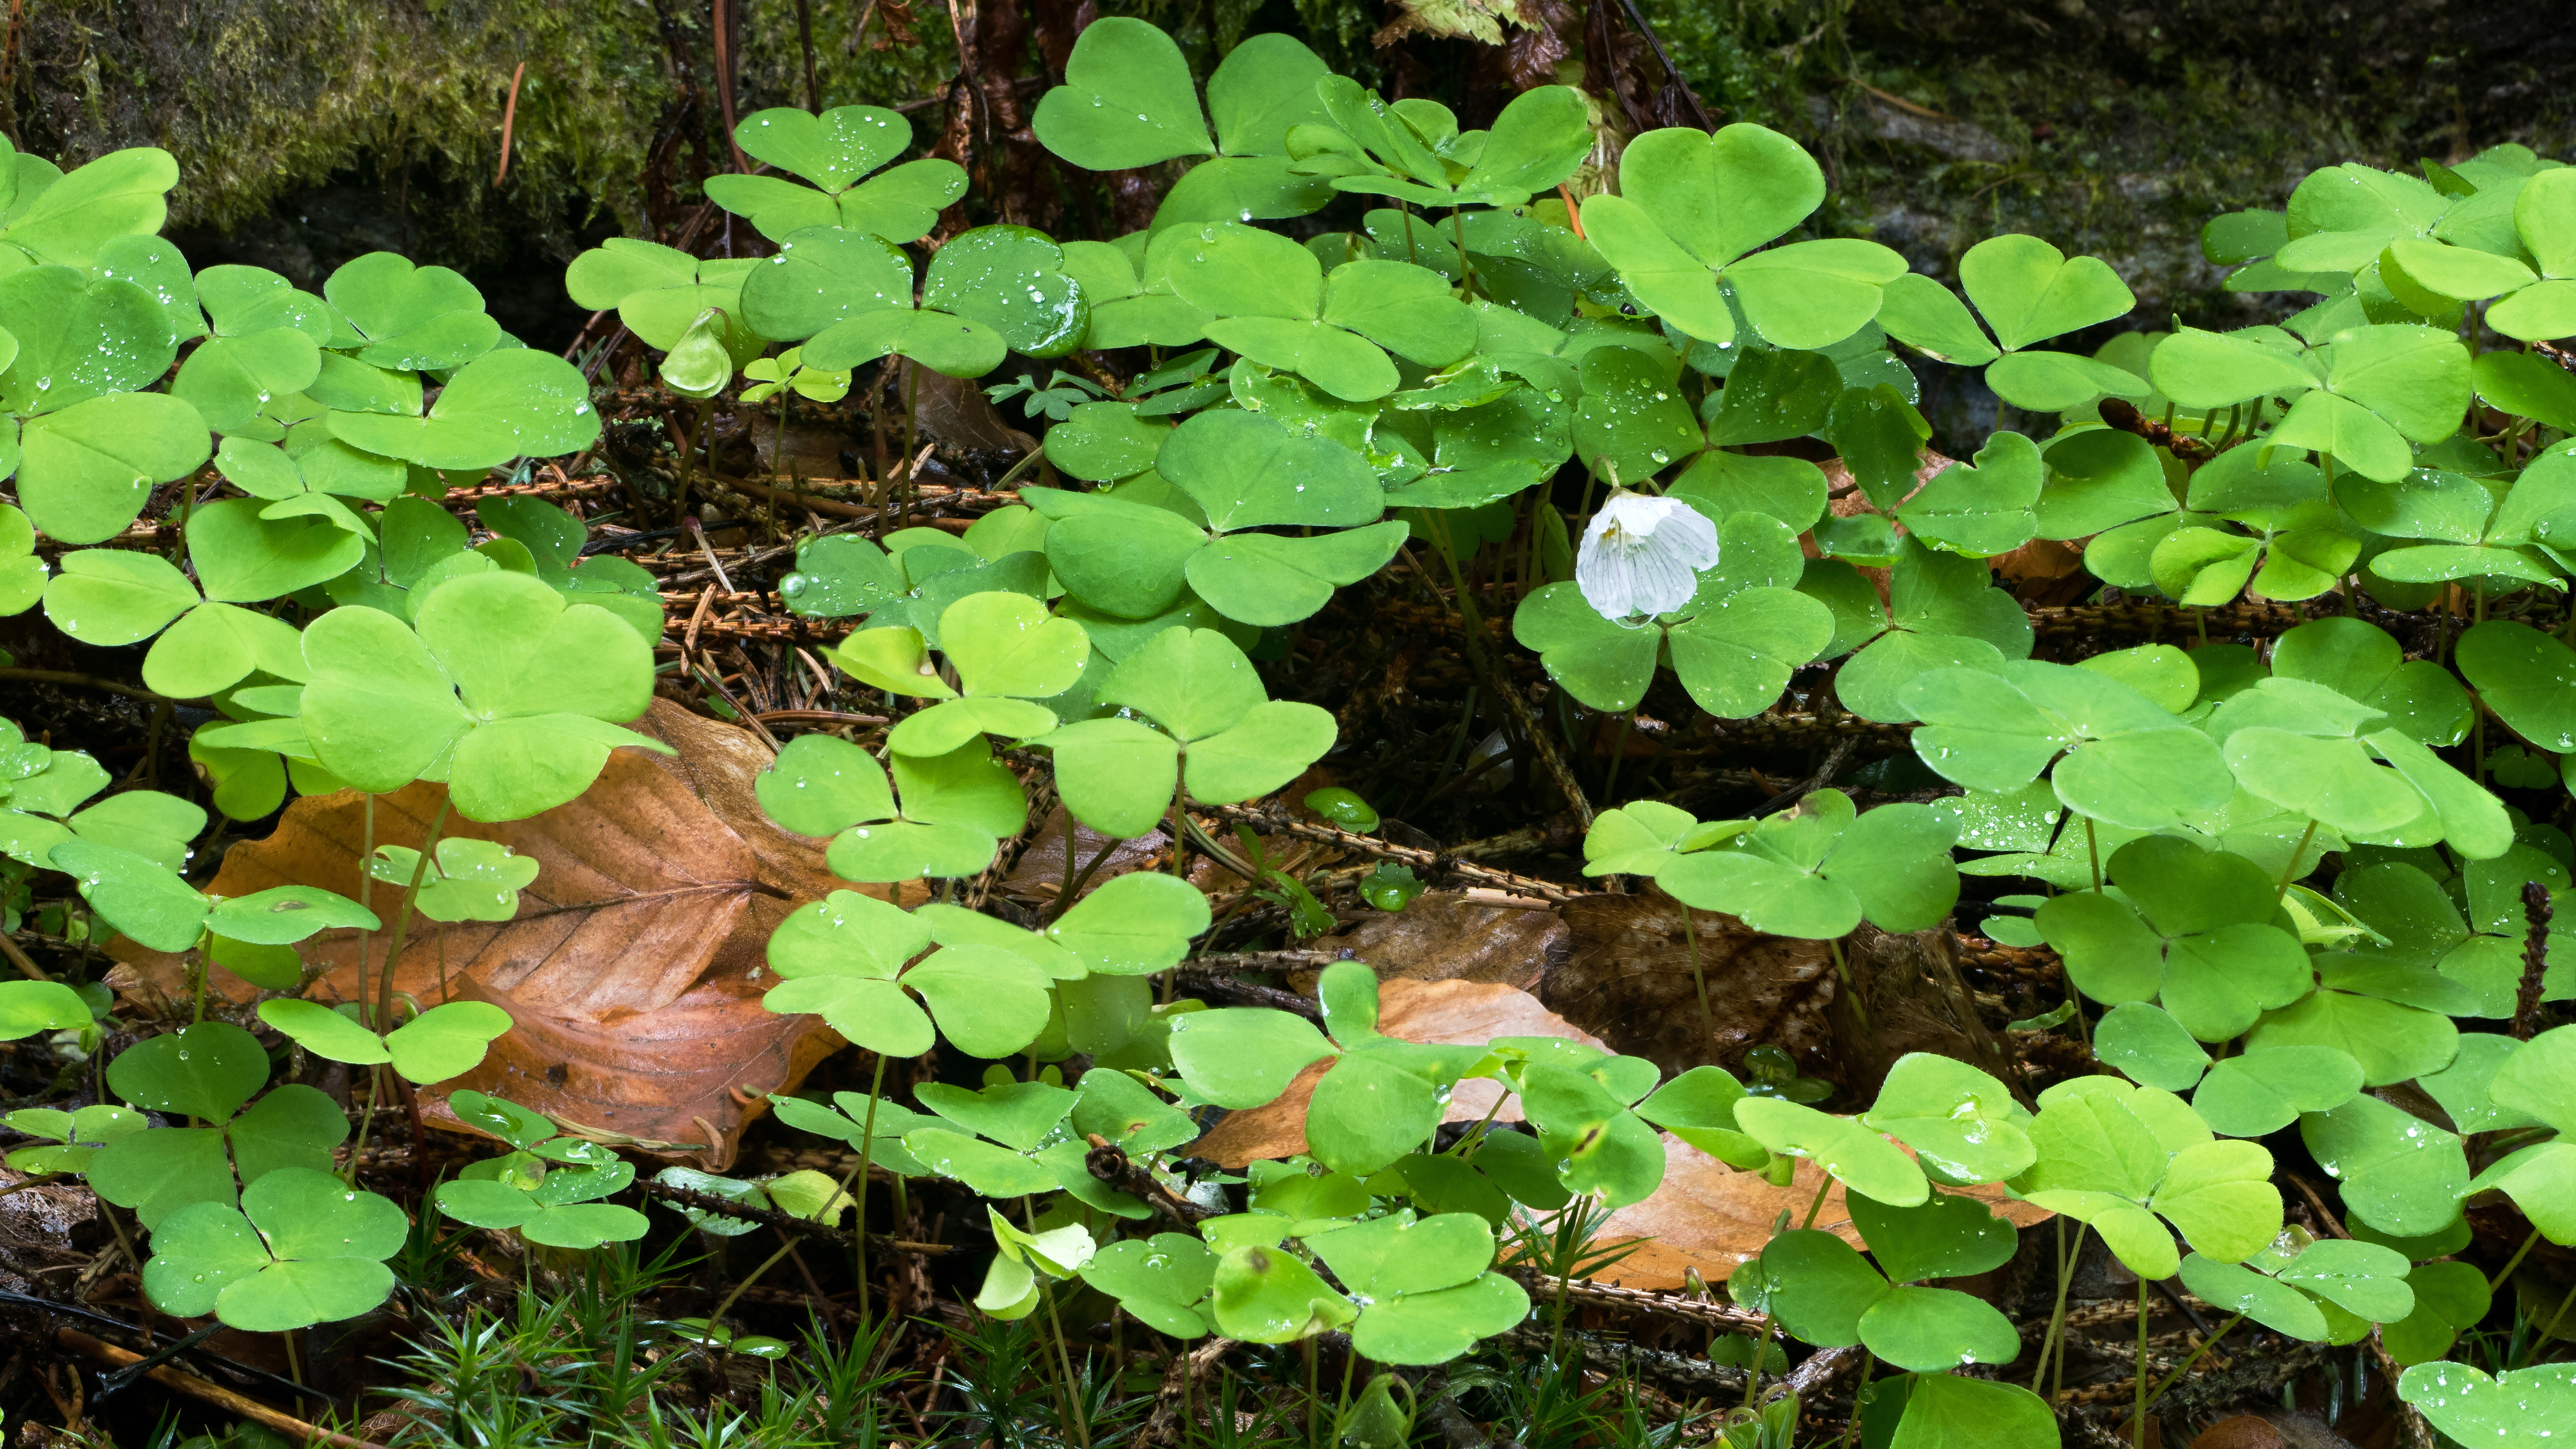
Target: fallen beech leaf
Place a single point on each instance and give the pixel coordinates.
(1443, 936)
(1627, 976)
(1710, 1217)
(635, 965)
(1424, 1011)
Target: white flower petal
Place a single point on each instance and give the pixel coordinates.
(1641, 555)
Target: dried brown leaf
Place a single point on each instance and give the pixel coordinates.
(1443, 936)
(1627, 976)
(635, 965)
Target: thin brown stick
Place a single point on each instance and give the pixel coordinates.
(723, 28)
(509, 117)
(1439, 862)
(215, 1394)
(26, 964)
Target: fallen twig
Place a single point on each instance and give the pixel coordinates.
(1276, 822)
(215, 1394)
(1109, 1163)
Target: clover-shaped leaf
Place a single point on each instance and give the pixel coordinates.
(1945, 1411)
(1007, 652)
(510, 691)
(1949, 1236)
(1219, 737)
(1117, 70)
(145, 900)
(1734, 642)
(111, 597)
(771, 376)
(2258, 1296)
(411, 318)
(1163, 1281)
(2311, 750)
(1941, 611)
(85, 471)
(1852, 1153)
(43, 809)
(207, 1071)
(1422, 1286)
(1011, 279)
(657, 291)
(2450, 1298)
(1980, 509)
(2527, 304)
(1134, 925)
(1266, 1295)
(2129, 1160)
(2193, 931)
(841, 574)
(1827, 1294)
(78, 340)
(845, 960)
(506, 404)
(302, 1249)
(22, 573)
(1239, 470)
(549, 1195)
(1645, 836)
(2028, 292)
(445, 1041)
(943, 342)
(1013, 1280)
(2262, 1090)
(955, 808)
(834, 151)
(1690, 211)
(77, 1135)
(1415, 152)
(469, 880)
(2521, 1409)
(29, 1007)
(1379, 1100)
(1959, 1120)
(1243, 1057)
(1817, 869)
(2522, 674)
(2128, 761)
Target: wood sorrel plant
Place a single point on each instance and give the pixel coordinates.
(2277, 878)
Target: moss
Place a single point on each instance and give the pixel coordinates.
(259, 99)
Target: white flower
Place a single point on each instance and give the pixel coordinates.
(1642, 555)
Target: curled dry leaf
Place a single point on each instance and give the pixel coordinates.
(1627, 976)
(635, 965)
(1447, 1012)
